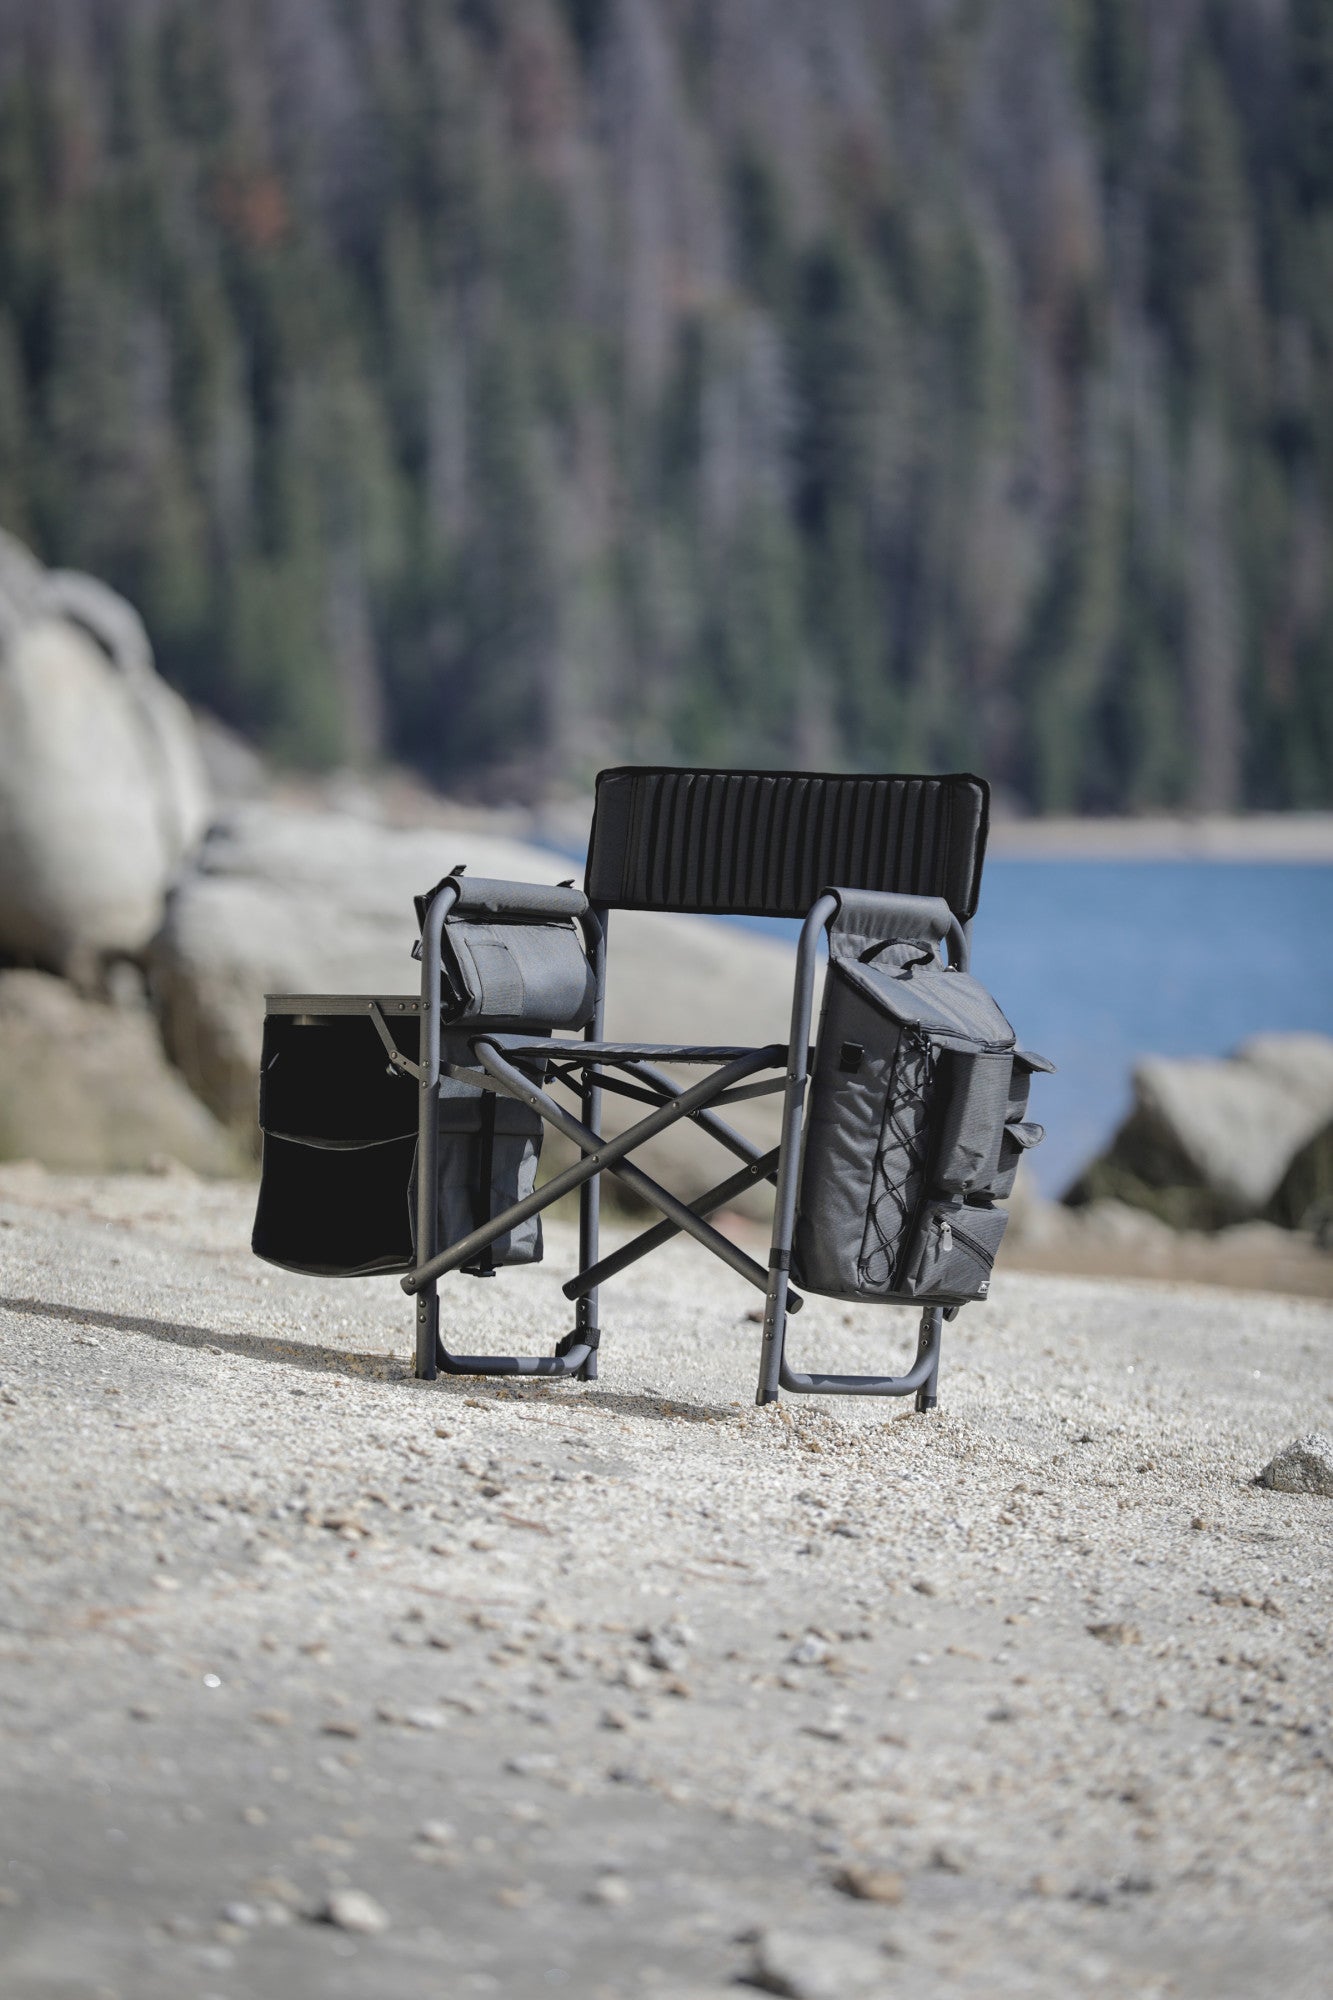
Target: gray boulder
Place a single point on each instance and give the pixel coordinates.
(1209, 1142)
(102, 789)
(85, 1088)
(1304, 1198)
(285, 901)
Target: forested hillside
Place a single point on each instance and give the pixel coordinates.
(511, 385)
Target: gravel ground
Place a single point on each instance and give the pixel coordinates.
(631, 1688)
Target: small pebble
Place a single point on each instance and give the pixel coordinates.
(611, 1890)
(354, 1910)
(275, 1889)
(1114, 1632)
(531, 1763)
(1303, 1466)
(809, 1966)
(869, 1885)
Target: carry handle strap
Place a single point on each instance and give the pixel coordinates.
(894, 917)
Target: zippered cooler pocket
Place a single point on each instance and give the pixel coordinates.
(952, 1253)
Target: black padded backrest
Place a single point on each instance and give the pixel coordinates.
(765, 843)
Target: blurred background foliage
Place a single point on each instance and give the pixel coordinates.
(505, 386)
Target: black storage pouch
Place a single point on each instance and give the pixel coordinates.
(486, 1159)
(335, 1211)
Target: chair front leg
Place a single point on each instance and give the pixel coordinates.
(428, 1129)
(789, 1166)
(587, 1327)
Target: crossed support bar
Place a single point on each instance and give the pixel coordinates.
(600, 1155)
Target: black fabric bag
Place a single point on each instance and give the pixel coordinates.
(914, 1126)
(340, 1139)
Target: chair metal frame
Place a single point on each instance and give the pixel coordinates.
(590, 1067)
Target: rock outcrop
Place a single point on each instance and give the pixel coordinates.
(1209, 1143)
(102, 789)
(1304, 1197)
(85, 1087)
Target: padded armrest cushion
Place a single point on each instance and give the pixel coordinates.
(482, 895)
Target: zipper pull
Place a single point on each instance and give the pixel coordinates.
(945, 1228)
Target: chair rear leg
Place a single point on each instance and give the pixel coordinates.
(428, 1333)
(932, 1331)
(587, 1328)
(775, 1336)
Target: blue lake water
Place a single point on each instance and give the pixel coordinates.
(1098, 962)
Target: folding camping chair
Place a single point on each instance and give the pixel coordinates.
(900, 855)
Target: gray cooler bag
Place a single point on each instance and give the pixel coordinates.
(915, 1124)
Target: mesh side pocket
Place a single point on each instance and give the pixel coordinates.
(856, 1065)
(900, 1163)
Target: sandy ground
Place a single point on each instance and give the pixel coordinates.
(602, 1689)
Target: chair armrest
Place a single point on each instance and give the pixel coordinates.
(481, 895)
